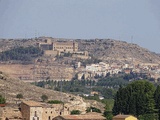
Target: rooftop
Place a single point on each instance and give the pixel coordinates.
(82, 117)
(32, 103)
(122, 116)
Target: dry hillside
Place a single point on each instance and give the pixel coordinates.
(105, 49)
(11, 87)
(113, 50)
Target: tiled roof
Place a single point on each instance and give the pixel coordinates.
(32, 103)
(82, 117)
(122, 116)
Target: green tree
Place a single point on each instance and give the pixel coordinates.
(108, 115)
(75, 112)
(157, 100)
(19, 96)
(44, 97)
(137, 99)
(2, 100)
(55, 102)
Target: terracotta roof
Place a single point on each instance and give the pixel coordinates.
(2, 105)
(94, 113)
(82, 117)
(32, 103)
(122, 116)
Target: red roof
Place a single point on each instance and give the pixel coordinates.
(2, 105)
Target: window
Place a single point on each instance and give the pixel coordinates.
(49, 118)
(35, 113)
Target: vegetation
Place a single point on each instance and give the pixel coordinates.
(108, 115)
(136, 99)
(157, 100)
(21, 53)
(2, 100)
(81, 86)
(44, 97)
(75, 112)
(19, 96)
(55, 102)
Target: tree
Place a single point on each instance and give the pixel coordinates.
(157, 99)
(108, 115)
(19, 96)
(136, 99)
(44, 97)
(55, 102)
(75, 112)
(2, 100)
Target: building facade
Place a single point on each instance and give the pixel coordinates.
(63, 46)
(32, 110)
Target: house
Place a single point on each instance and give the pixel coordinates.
(32, 110)
(124, 117)
(80, 117)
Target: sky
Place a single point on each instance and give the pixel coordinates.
(134, 21)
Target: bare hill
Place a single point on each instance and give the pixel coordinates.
(113, 50)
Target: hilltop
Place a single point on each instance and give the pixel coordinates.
(116, 51)
(108, 50)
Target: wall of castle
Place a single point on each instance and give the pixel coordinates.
(65, 47)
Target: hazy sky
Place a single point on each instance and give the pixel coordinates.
(117, 19)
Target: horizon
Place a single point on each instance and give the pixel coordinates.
(85, 19)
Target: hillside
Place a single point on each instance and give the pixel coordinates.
(105, 49)
(11, 87)
(113, 50)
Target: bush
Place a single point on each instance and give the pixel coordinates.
(75, 112)
(44, 97)
(19, 96)
(55, 102)
(2, 100)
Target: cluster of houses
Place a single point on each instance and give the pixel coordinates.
(53, 48)
(103, 69)
(32, 110)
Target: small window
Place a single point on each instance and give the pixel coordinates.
(49, 118)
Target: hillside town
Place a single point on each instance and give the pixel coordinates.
(63, 60)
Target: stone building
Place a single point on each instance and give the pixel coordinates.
(32, 110)
(80, 117)
(63, 46)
